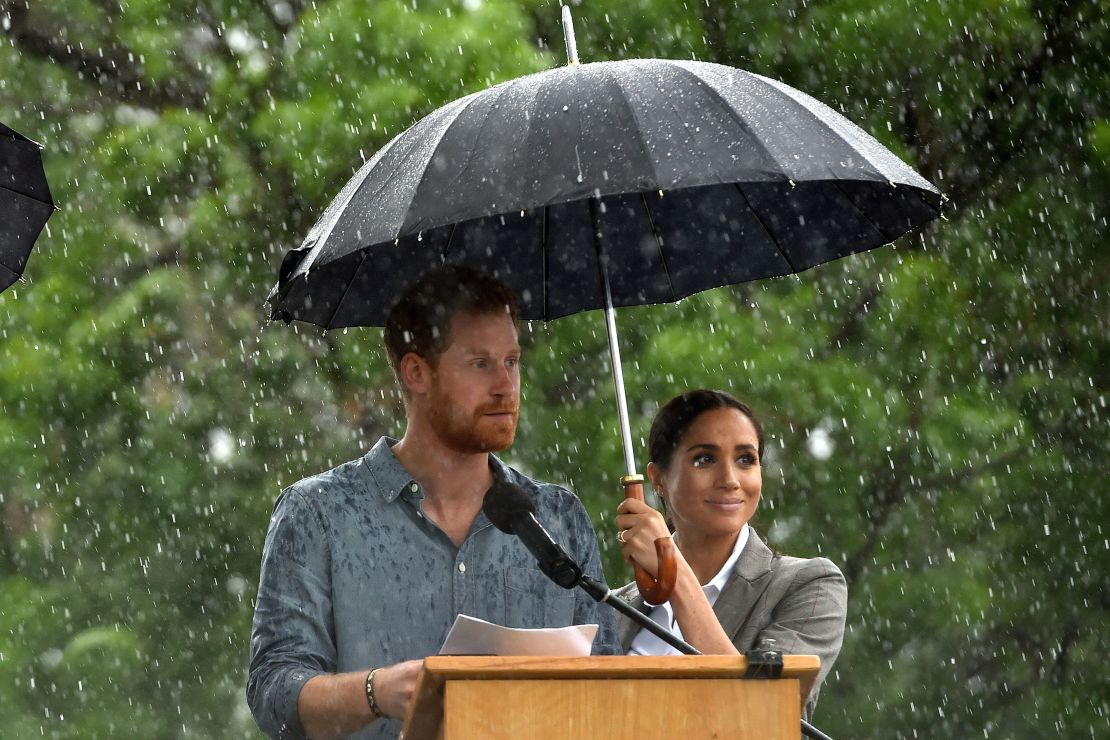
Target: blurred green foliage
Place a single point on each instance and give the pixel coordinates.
(149, 416)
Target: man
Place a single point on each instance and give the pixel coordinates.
(366, 566)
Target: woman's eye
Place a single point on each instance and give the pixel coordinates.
(746, 460)
(703, 459)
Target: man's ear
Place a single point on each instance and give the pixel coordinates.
(415, 373)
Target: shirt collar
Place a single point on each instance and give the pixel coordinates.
(390, 477)
(717, 583)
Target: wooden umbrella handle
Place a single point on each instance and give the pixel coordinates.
(655, 590)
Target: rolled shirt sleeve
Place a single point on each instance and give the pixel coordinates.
(291, 639)
(354, 575)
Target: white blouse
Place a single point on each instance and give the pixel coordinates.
(646, 643)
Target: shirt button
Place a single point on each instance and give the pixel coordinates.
(414, 487)
(462, 567)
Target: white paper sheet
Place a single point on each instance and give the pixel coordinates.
(471, 636)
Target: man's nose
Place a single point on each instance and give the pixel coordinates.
(505, 381)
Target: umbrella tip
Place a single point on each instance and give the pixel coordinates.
(568, 35)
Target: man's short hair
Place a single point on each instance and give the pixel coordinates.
(420, 320)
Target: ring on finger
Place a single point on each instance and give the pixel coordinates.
(621, 535)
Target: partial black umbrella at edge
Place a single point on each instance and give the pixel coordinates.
(25, 202)
(605, 185)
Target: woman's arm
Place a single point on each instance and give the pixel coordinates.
(642, 525)
(808, 618)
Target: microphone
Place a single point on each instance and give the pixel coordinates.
(511, 510)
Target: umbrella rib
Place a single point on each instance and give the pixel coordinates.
(860, 211)
(330, 217)
(543, 253)
(10, 271)
(31, 198)
(616, 80)
(755, 214)
(450, 238)
(346, 289)
(13, 134)
(715, 94)
(470, 155)
(851, 135)
(406, 148)
(659, 242)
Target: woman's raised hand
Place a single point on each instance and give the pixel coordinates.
(638, 527)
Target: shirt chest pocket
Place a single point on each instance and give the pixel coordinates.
(532, 600)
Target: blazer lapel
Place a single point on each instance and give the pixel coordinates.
(750, 578)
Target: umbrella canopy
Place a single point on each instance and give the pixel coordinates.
(605, 185)
(688, 175)
(25, 202)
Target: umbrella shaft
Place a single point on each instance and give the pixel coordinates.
(614, 346)
(618, 382)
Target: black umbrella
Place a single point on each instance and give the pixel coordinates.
(699, 175)
(25, 202)
(605, 185)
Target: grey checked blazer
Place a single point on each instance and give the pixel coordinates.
(799, 602)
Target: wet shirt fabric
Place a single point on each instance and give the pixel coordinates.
(355, 576)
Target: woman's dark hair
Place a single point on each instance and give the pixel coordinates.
(676, 416)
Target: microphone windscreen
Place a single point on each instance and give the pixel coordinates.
(504, 503)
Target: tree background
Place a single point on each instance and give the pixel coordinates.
(937, 409)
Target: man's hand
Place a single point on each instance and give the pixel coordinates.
(334, 705)
(394, 686)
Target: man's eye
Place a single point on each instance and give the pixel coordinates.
(512, 361)
(480, 364)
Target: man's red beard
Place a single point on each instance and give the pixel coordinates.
(475, 433)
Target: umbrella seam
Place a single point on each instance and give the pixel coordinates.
(462, 104)
(636, 119)
(18, 275)
(12, 133)
(767, 231)
(450, 238)
(31, 198)
(369, 166)
(543, 252)
(659, 242)
(470, 155)
(879, 229)
(399, 169)
(339, 303)
(366, 168)
(716, 95)
(837, 135)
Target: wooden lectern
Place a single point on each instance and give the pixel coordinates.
(633, 697)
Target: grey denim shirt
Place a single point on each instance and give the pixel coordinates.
(355, 576)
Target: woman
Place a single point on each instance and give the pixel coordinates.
(732, 592)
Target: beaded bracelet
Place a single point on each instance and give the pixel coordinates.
(370, 700)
